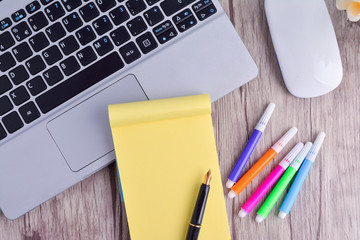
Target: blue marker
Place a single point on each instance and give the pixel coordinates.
(250, 146)
(300, 177)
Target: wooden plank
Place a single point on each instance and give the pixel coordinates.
(327, 207)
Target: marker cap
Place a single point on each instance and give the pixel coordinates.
(296, 163)
(242, 213)
(291, 155)
(282, 214)
(279, 145)
(259, 218)
(316, 147)
(265, 117)
(229, 183)
(231, 194)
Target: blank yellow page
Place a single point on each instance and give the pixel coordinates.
(163, 150)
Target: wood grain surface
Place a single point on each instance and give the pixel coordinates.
(328, 204)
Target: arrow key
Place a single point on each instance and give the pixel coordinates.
(182, 16)
(167, 36)
(207, 12)
(188, 23)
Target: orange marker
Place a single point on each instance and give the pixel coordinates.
(263, 161)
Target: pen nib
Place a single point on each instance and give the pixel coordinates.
(208, 177)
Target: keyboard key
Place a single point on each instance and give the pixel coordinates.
(22, 52)
(89, 12)
(55, 32)
(130, 52)
(32, 7)
(103, 46)
(45, 2)
(186, 24)
(12, 122)
(55, 11)
(53, 76)
(39, 42)
(69, 45)
(52, 55)
(21, 31)
(201, 5)
(35, 65)
(71, 4)
(2, 133)
(170, 6)
(136, 6)
(79, 82)
(38, 21)
(102, 25)
(5, 84)
(167, 36)
(151, 2)
(18, 74)
(6, 62)
(182, 16)
(18, 15)
(6, 41)
(36, 86)
(86, 56)
(162, 27)
(5, 23)
(119, 15)
(105, 5)
(72, 22)
(120, 36)
(5, 105)
(153, 16)
(206, 12)
(146, 42)
(136, 26)
(29, 112)
(19, 95)
(69, 66)
(85, 35)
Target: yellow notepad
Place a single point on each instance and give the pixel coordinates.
(163, 150)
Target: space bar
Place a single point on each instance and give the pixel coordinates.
(79, 82)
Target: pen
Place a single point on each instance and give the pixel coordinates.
(270, 180)
(283, 182)
(261, 163)
(300, 177)
(250, 146)
(195, 223)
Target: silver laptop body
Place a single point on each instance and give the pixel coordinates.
(49, 145)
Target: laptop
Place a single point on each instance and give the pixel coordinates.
(63, 62)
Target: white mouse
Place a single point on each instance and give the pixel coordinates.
(305, 44)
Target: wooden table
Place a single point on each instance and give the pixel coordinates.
(328, 204)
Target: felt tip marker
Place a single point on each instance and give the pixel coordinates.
(270, 180)
(300, 177)
(283, 182)
(261, 163)
(250, 146)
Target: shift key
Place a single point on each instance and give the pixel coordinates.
(170, 6)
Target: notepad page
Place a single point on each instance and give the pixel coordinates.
(162, 164)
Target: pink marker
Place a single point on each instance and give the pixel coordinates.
(270, 180)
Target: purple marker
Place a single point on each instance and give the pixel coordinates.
(250, 146)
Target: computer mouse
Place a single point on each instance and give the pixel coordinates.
(306, 47)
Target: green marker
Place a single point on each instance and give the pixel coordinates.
(282, 184)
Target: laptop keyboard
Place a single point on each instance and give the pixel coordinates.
(52, 51)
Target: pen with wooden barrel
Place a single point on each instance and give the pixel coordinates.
(195, 223)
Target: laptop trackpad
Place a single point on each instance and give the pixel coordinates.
(83, 133)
